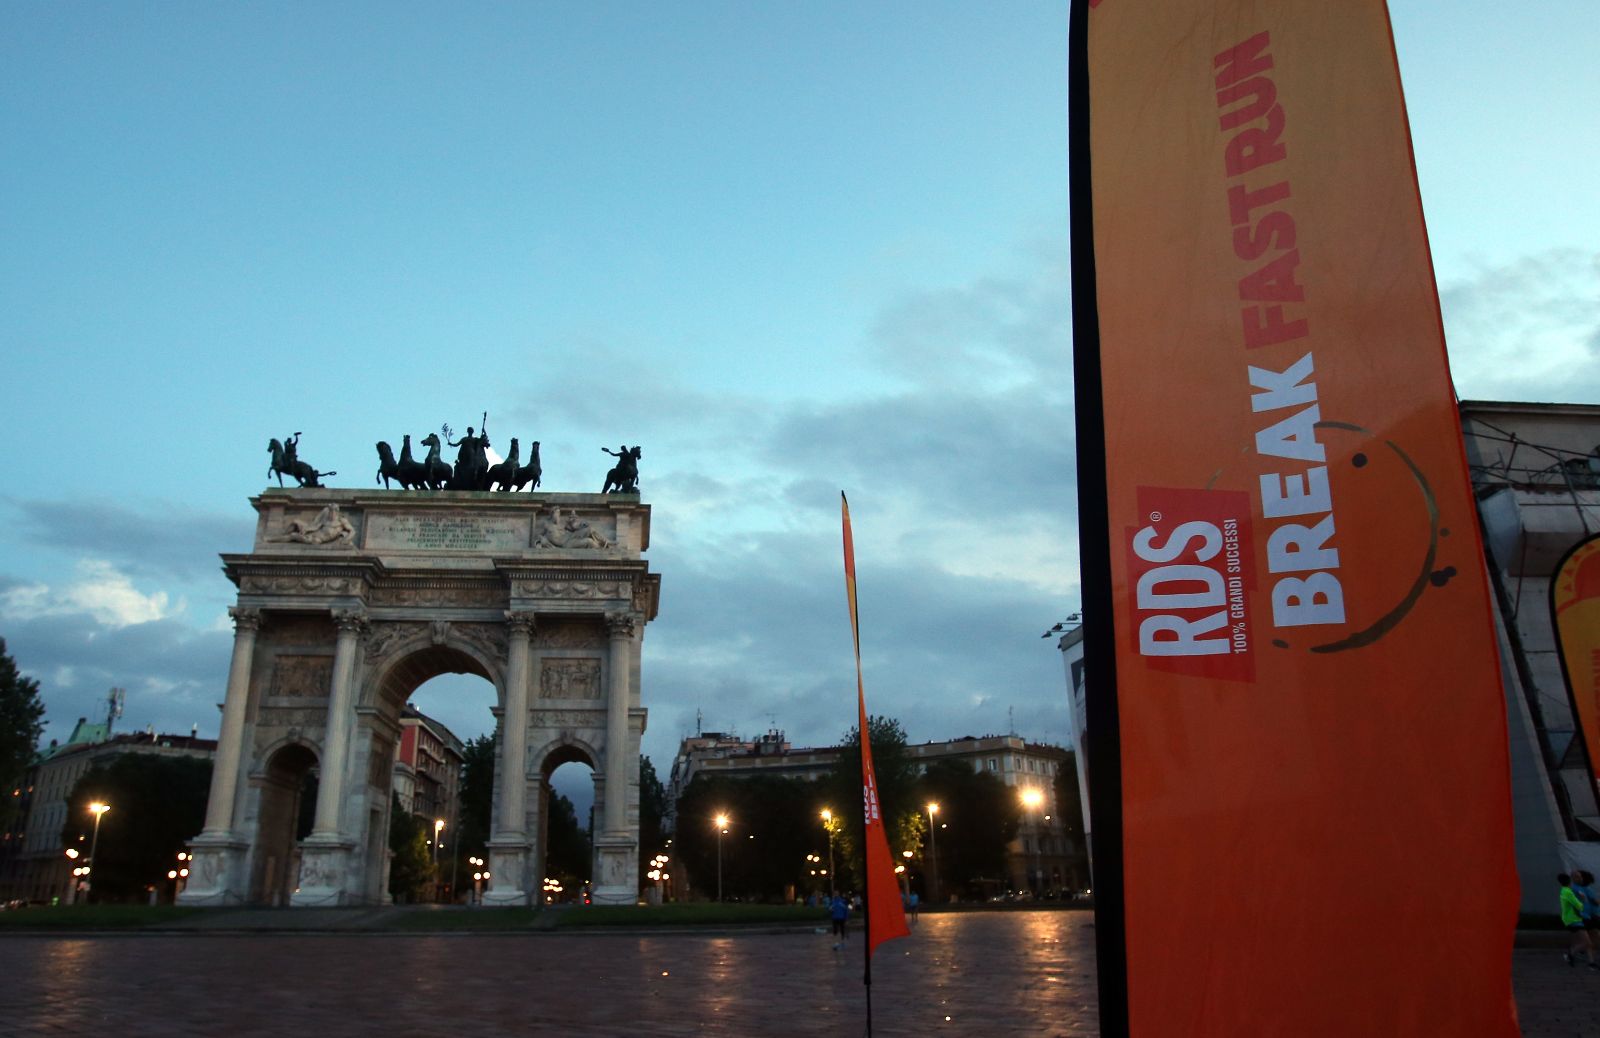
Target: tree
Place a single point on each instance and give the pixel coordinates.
(411, 872)
(980, 815)
(475, 823)
(773, 825)
(896, 779)
(21, 723)
(652, 807)
(568, 854)
(1070, 804)
(157, 805)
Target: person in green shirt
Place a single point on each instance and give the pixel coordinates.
(1572, 919)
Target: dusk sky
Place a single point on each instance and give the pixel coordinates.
(790, 249)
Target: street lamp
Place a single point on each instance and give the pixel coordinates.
(827, 824)
(438, 827)
(933, 853)
(98, 810)
(1032, 797)
(722, 828)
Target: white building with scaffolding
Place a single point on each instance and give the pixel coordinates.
(1536, 475)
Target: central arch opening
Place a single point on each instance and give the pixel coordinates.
(440, 798)
(566, 812)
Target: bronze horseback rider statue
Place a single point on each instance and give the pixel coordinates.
(286, 462)
(624, 478)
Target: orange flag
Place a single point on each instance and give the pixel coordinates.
(886, 915)
(1575, 603)
(1301, 740)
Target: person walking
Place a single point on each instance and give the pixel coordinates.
(1572, 919)
(1583, 886)
(839, 912)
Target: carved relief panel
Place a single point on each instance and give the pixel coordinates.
(569, 679)
(301, 677)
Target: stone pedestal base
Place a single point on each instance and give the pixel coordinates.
(322, 874)
(217, 875)
(508, 869)
(617, 869)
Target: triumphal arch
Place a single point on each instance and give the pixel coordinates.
(351, 599)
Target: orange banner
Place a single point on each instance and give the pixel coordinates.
(886, 915)
(1575, 601)
(1316, 816)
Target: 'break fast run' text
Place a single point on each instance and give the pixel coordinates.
(1189, 592)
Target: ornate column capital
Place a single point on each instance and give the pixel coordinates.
(622, 624)
(245, 618)
(521, 622)
(353, 621)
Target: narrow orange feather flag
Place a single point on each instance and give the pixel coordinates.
(885, 915)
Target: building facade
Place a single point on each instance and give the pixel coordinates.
(1046, 852)
(34, 867)
(1536, 474)
(427, 768)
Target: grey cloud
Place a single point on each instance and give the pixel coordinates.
(174, 673)
(996, 330)
(170, 540)
(1528, 329)
(987, 456)
(763, 635)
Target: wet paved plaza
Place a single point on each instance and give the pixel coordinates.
(1012, 973)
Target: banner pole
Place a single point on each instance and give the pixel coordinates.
(1103, 737)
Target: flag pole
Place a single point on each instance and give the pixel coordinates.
(862, 736)
(1103, 738)
(875, 857)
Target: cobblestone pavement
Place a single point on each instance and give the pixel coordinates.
(1013, 973)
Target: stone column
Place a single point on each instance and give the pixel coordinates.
(514, 791)
(217, 865)
(619, 659)
(341, 717)
(508, 850)
(230, 741)
(616, 846)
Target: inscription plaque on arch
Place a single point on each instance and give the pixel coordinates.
(465, 533)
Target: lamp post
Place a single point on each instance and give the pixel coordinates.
(98, 810)
(179, 875)
(827, 825)
(1032, 797)
(722, 827)
(933, 853)
(455, 864)
(438, 827)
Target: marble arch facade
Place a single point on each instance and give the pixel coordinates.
(351, 599)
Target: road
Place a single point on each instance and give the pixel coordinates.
(990, 974)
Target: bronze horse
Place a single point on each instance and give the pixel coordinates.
(527, 474)
(504, 472)
(435, 473)
(407, 472)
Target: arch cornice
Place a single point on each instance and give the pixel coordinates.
(565, 741)
(258, 766)
(423, 655)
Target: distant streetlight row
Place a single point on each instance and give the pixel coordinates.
(1031, 796)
